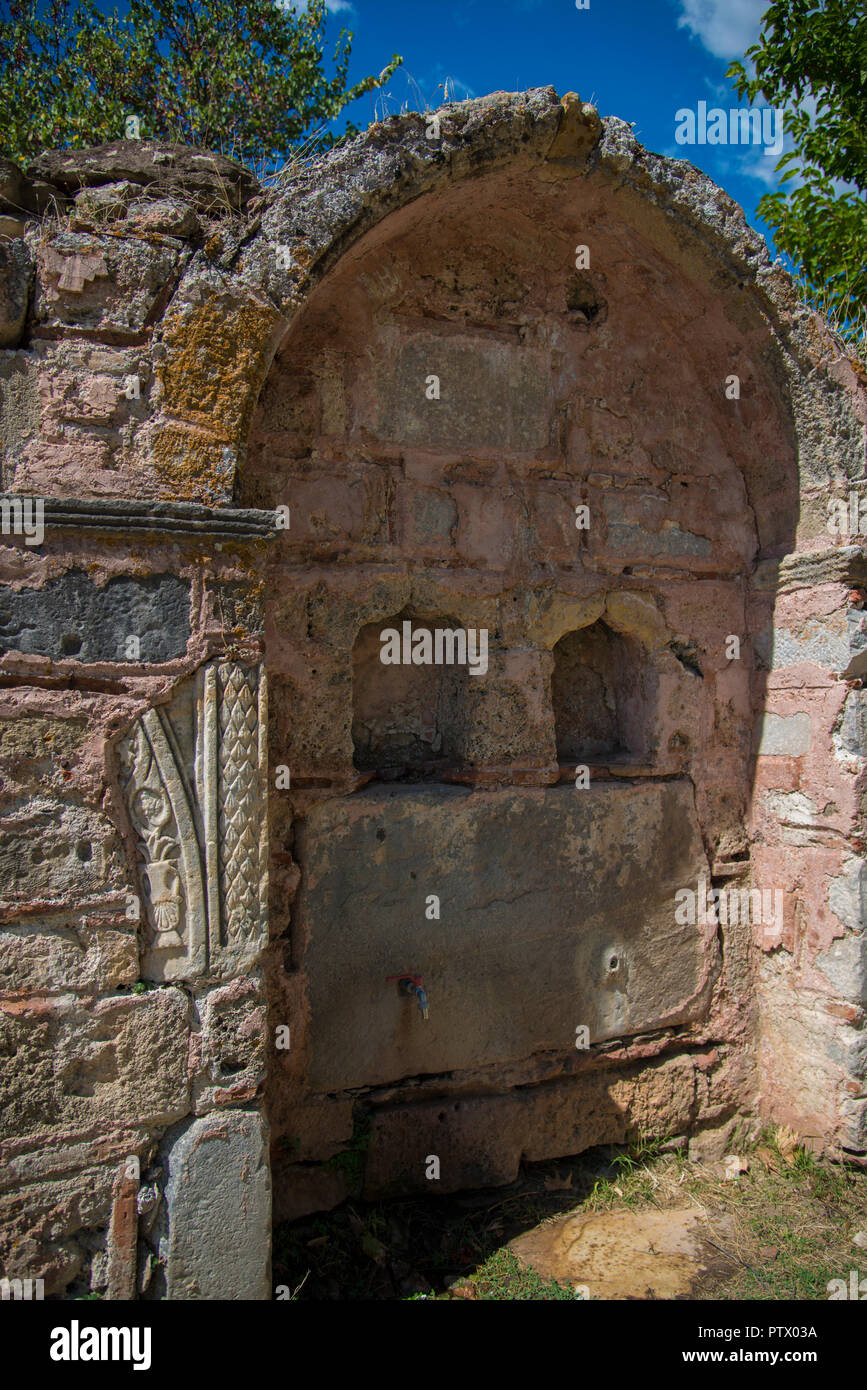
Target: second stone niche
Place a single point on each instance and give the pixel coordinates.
(408, 720)
(603, 689)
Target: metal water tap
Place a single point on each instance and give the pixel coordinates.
(412, 985)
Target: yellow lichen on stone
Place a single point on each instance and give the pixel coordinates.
(192, 465)
(217, 353)
(638, 615)
(560, 614)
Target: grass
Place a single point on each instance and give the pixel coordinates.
(350, 1161)
(783, 1229)
(504, 1277)
(793, 1220)
(846, 317)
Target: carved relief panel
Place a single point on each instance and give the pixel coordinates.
(193, 774)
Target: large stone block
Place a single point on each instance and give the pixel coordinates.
(640, 523)
(300, 1189)
(845, 965)
(820, 641)
(43, 754)
(11, 185)
(69, 952)
(816, 628)
(19, 410)
(102, 283)
(556, 910)
(852, 737)
(78, 436)
(330, 507)
(669, 542)
(57, 852)
(847, 893)
(39, 1222)
(232, 1040)
(493, 396)
(217, 338)
(480, 1140)
(34, 738)
(218, 1196)
(213, 182)
(70, 1065)
(71, 618)
(800, 1060)
(785, 735)
(83, 383)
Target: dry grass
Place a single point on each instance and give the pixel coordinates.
(786, 1225)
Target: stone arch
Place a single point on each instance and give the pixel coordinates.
(555, 388)
(243, 306)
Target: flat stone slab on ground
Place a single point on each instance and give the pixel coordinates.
(625, 1255)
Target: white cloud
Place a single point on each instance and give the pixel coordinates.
(299, 6)
(760, 167)
(725, 27)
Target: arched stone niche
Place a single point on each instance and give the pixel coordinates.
(465, 424)
(602, 693)
(446, 388)
(407, 714)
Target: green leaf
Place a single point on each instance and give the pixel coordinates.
(247, 78)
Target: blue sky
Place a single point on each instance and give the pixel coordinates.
(641, 60)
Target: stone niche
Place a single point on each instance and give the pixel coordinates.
(601, 691)
(408, 720)
(434, 826)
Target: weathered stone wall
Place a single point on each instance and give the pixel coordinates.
(131, 1002)
(187, 354)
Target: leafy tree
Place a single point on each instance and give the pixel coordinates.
(811, 60)
(243, 76)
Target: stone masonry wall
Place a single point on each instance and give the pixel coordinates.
(471, 375)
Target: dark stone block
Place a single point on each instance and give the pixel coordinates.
(210, 180)
(16, 273)
(11, 181)
(71, 618)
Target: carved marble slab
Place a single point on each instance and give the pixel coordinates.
(194, 776)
